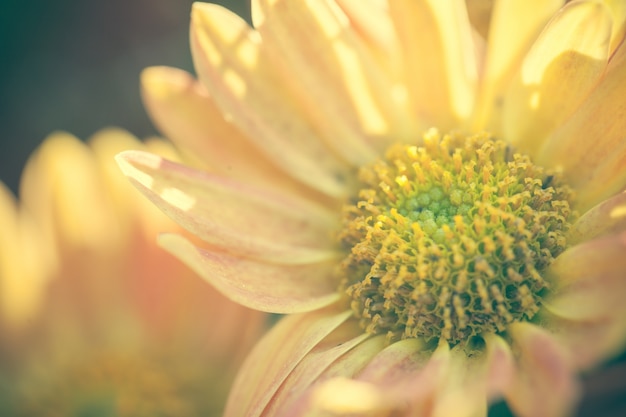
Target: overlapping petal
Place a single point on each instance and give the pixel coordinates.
(276, 356)
(441, 71)
(561, 68)
(544, 383)
(246, 86)
(183, 110)
(591, 144)
(275, 288)
(231, 215)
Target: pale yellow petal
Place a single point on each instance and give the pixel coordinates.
(25, 263)
(186, 114)
(276, 356)
(61, 187)
(233, 216)
(591, 145)
(590, 280)
(562, 67)
(515, 24)
(243, 81)
(282, 289)
(618, 9)
(308, 372)
(545, 384)
(342, 91)
(608, 217)
(441, 68)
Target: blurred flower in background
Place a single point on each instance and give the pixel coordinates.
(95, 319)
(462, 268)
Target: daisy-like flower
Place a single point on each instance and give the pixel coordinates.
(434, 199)
(95, 318)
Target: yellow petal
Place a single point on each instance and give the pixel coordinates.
(184, 112)
(515, 24)
(564, 64)
(605, 218)
(591, 145)
(439, 59)
(544, 385)
(25, 265)
(245, 85)
(342, 92)
(589, 280)
(62, 187)
(281, 289)
(308, 372)
(618, 9)
(236, 217)
(276, 356)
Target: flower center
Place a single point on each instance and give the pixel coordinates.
(449, 239)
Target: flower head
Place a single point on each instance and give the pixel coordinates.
(437, 199)
(95, 318)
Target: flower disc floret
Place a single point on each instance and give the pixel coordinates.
(451, 238)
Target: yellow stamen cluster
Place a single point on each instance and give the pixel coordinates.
(449, 239)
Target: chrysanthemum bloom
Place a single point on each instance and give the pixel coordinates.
(435, 200)
(95, 318)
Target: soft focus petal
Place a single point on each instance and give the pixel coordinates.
(24, 258)
(245, 85)
(501, 366)
(258, 285)
(342, 76)
(591, 145)
(440, 67)
(544, 384)
(605, 218)
(231, 215)
(589, 280)
(564, 64)
(275, 357)
(587, 311)
(308, 372)
(514, 26)
(186, 114)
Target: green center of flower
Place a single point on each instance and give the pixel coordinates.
(449, 239)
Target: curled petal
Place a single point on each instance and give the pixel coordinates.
(544, 384)
(262, 286)
(275, 357)
(505, 52)
(590, 145)
(563, 65)
(233, 216)
(587, 311)
(589, 279)
(605, 218)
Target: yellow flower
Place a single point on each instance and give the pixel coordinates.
(95, 318)
(425, 272)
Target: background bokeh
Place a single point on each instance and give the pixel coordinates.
(74, 65)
